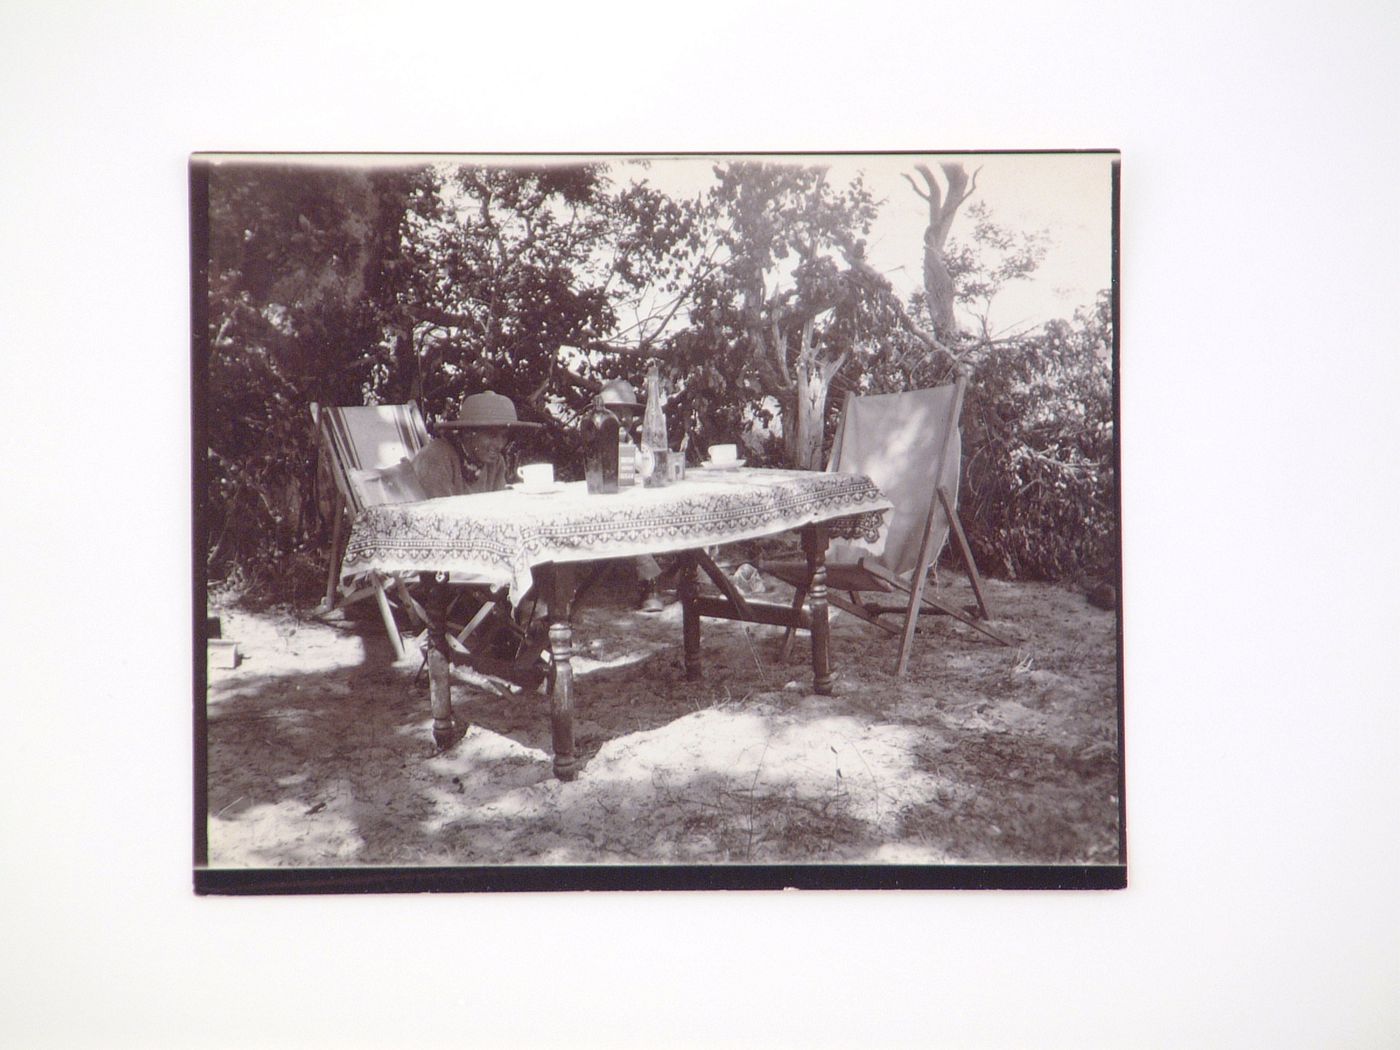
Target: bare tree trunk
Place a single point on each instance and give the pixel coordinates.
(938, 281)
(809, 408)
(813, 377)
(938, 287)
(406, 360)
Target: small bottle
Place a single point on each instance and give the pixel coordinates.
(652, 463)
(600, 430)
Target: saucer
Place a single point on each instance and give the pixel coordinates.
(734, 465)
(542, 490)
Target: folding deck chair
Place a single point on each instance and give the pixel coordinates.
(910, 446)
(364, 447)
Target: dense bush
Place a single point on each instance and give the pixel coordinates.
(342, 286)
(297, 305)
(1039, 497)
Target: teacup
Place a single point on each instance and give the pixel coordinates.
(537, 476)
(723, 455)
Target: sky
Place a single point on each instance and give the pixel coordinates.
(1066, 195)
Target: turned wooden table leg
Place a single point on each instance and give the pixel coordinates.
(690, 619)
(435, 601)
(814, 540)
(561, 647)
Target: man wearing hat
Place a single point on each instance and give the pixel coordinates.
(466, 457)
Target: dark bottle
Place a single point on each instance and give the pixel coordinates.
(600, 430)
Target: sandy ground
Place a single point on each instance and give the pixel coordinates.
(320, 748)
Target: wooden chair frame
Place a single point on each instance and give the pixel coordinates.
(911, 597)
(414, 435)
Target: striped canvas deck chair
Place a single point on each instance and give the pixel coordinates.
(364, 448)
(909, 444)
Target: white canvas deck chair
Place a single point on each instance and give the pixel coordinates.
(909, 444)
(364, 447)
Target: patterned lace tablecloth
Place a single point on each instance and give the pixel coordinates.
(496, 537)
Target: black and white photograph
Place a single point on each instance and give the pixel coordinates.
(799, 526)
(731, 510)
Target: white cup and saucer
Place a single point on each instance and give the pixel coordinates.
(723, 457)
(536, 479)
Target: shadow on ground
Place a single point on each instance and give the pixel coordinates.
(320, 753)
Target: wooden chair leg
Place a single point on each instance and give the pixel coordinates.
(798, 597)
(855, 608)
(390, 624)
(333, 570)
(475, 621)
(911, 621)
(948, 610)
(406, 599)
(725, 585)
(965, 550)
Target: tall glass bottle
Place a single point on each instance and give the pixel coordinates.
(652, 463)
(600, 463)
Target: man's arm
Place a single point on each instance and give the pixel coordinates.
(436, 467)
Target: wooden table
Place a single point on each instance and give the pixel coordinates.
(501, 538)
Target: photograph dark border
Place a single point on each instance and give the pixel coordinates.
(572, 878)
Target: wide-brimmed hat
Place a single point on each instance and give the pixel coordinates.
(619, 394)
(486, 409)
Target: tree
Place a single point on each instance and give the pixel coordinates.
(301, 293)
(917, 343)
(921, 340)
(942, 209)
(505, 279)
(1039, 501)
(776, 316)
(994, 257)
(539, 282)
(345, 285)
(349, 285)
(1038, 422)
